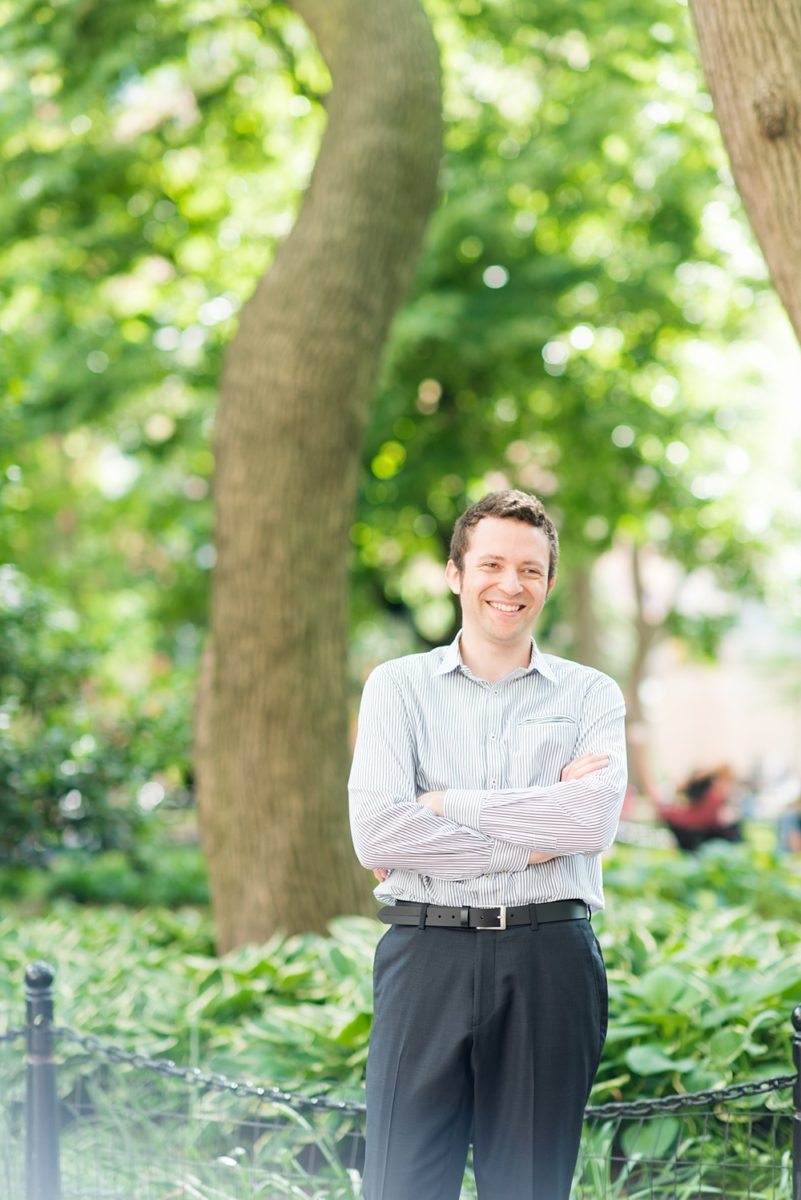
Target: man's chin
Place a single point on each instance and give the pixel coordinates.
(505, 637)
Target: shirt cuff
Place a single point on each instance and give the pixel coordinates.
(506, 857)
(463, 807)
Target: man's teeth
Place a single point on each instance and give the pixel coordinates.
(505, 607)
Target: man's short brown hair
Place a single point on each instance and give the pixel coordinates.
(512, 505)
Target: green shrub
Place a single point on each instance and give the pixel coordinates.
(701, 989)
(170, 876)
(704, 960)
(73, 760)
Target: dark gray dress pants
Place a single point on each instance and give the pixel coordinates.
(482, 1036)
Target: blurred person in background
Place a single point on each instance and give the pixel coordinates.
(706, 809)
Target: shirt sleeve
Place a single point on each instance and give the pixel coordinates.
(576, 817)
(389, 827)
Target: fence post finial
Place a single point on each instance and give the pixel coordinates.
(42, 1175)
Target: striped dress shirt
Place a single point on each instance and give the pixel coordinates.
(497, 749)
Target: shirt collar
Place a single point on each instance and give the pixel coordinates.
(451, 660)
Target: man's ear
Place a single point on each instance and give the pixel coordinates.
(551, 582)
(453, 577)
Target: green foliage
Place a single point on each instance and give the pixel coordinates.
(683, 1158)
(704, 960)
(703, 955)
(73, 758)
(719, 877)
(153, 159)
(151, 872)
(583, 280)
(218, 1151)
(294, 1010)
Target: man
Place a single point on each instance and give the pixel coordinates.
(487, 779)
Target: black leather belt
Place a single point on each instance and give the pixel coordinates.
(407, 912)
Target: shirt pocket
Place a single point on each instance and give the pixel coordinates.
(542, 747)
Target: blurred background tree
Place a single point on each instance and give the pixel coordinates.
(272, 753)
(749, 56)
(571, 328)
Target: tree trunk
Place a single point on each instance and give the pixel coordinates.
(641, 777)
(585, 622)
(750, 51)
(271, 739)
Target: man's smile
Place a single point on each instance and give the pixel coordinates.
(507, 608)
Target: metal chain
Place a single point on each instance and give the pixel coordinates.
(667, 1104)
(194, 1076)
(13, 1035)
(217, 1082)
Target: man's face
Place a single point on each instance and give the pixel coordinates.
(504, 581)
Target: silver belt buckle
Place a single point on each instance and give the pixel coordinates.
(502, 918)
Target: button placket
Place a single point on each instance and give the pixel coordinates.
(493, 756)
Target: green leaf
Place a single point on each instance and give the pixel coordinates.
(650, 1139)
(356, 1031)
(726, 1045)
(650, 1060)
(662, 986)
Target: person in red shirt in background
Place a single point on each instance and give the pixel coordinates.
(707, 809)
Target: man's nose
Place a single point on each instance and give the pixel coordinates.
(510, 582)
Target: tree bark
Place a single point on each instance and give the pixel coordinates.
(585, 622)
(647, 635)
(272, 730)
(750, 51)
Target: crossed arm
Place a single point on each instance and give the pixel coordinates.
(457, 833)
(579, 768)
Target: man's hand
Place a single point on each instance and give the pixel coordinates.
(580, 768)
(381, 873)
(435, 801)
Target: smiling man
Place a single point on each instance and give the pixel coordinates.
(487, 779)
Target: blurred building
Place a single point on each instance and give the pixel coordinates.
(745, 710)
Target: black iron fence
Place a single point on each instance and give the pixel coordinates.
(102, 1123)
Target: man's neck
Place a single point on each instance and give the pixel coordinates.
(494, 662)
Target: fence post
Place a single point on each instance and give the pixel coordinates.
(42, 1175)
(797, 1103)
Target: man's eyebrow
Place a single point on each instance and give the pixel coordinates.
(527, 562)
